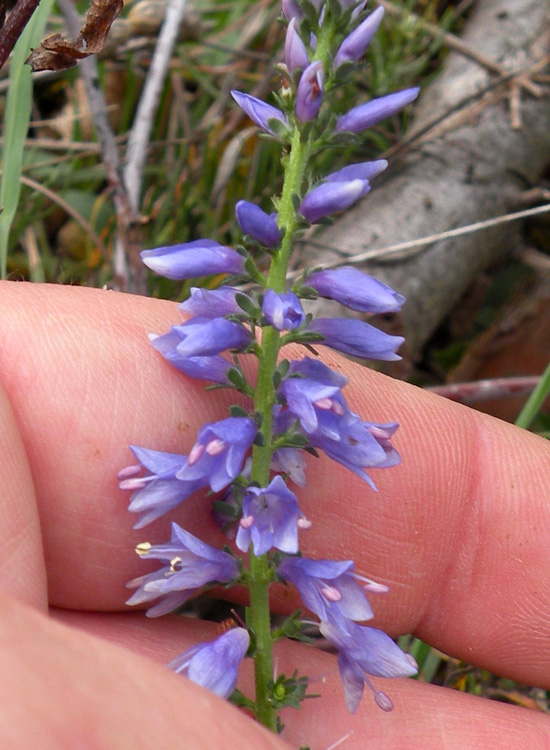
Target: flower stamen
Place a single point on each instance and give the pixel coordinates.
(215, 447)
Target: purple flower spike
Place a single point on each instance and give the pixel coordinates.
(283, 311)
(270, 517)
(356, 338)
(366, 115)
(193, 259)
(327, 587)
(219, 453)
(206, 303)
(259, 112)
(354, 46)
(365, 170)
(189, 564)
(356, 290)
(201, 367)
(309, 95)
(214, 665)
(296, 57)
(159, 490)
(366, 651)
(332, 197)
(259, 225)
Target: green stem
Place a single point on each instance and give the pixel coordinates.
(260, 573)
(294, 178)
(259, 621)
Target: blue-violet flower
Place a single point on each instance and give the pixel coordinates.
(159, 490)
(202, 367)
(366, 651)
(292, 10)
(331, 197)
(315, 396)
(355, 44)
(327, 587)
(259, 112)
(366, 115)
(356, 338)
(218, 455)
(211, 303)
(296, 57)
(364, 170)
(309, 95)
(359, 445)
(215, 665)
(189, 564)
(283, 311)
(356, 290)
(269, 519)
(200, 337)
(292, 462)
(259, 225)
(192, 259)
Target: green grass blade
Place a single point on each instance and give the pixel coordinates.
(535, 401)
(16, 124)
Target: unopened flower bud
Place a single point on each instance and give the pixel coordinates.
(296, 57)
(310, 92)
(259, 112)
(366, 115)
(354, 46)
(193, 259)
(332, 197)
(259, 225)
(291, 10)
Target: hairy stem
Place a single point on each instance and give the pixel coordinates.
(260, 574)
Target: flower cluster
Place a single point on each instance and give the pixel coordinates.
(255, 456)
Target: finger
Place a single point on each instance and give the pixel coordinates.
(459, 530)
(22, 569)
(425, 717)
(67, 689)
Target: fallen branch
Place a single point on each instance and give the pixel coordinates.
(456, 171)
(484, 390)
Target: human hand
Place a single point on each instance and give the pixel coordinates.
(460, 531)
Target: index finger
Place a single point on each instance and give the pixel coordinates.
(459, 530)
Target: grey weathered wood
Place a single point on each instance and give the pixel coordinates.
(472, 171)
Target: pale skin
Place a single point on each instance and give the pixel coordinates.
(460, 531)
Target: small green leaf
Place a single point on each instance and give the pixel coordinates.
(236, 378)
(246, 304)
(237, 411)
(259, 440)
